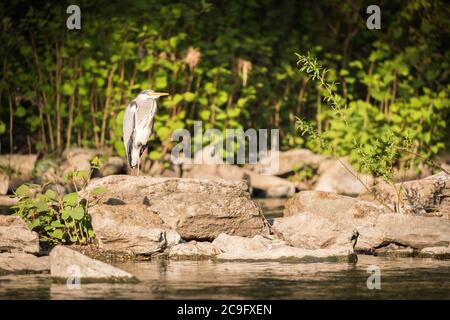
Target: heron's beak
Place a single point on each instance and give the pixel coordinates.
(158, 94)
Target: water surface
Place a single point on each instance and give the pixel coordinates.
(401, 278)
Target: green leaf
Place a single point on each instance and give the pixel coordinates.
(20, 112)
(50, 194)
(204, 115)
(189, 96)
(161, 82)
(77, 213)
(66, 213)
(100, 190)
(71, 199)
(41, 206)
(163, 133)
(23, 191)
(33, 224)
(67, 89)
(58, 234)
(155, 155)
(57, 224)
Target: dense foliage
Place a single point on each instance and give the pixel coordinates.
(230, 64)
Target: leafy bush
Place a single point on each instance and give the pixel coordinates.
(56, 218)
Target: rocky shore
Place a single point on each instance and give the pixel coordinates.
(210, 214)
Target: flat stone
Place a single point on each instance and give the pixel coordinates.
(338, 176)
(20, 262)
(131, 229)
(16, 236)
(262, 248)
(271, 186)
(66, 263)
(194, 250)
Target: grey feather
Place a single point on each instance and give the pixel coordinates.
(129, 124)
(137, 127)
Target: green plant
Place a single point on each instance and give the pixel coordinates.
(55, 217)
(380, 155)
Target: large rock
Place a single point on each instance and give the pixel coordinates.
(197, 209)
(262, 248)
(214, 171)
(435, 252)
(427, 197)
(15, 235)
(5, 204)
(131, 229)
(315, 220)
(66, 263)
(20, 168)
(194, 250)
(325, 220)
(410, 231)
(271, 186)
(338, 176)
(20, 262)
(290, 160)
(4, 182)
(77, 159)
(113, 165)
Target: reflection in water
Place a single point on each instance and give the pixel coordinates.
(401, 278)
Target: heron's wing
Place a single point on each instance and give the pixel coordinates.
(144, 122)
(145, 114)
(129, 125)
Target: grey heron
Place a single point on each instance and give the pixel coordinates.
(138, 124)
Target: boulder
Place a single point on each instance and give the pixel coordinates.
(338, 176)
(427, 197)
(290, 160)
(67, 263)
(131, 229)
(271, 186)
(197, 209)
(15, 235)
(409, 231)
(20, 262)
(4, 183)
(214, 171)
(316, 220)
(77, 159)
(20, 168)
(435, 252)
(113, 165)
(21, 164)
(157, 169)
(5, 204)
(262, 248)
(194, 250)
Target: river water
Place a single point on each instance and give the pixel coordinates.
(400, 278)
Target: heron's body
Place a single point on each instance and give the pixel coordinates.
(138, 125)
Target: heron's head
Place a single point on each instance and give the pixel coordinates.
(150, 94)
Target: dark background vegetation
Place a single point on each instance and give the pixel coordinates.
(230, 64)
